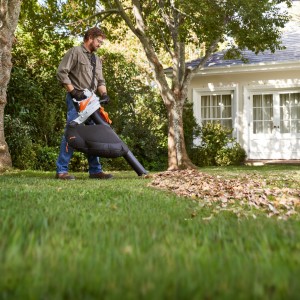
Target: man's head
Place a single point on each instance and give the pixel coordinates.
(93, 39)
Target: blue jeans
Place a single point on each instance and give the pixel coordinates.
(65, 154)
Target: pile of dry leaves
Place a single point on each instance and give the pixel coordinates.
(234, 194)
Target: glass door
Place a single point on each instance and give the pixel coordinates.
(274, 127)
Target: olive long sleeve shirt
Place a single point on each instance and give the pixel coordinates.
(76, 69)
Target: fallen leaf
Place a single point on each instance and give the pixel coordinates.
(224, 193)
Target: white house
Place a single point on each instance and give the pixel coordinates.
(259, 99)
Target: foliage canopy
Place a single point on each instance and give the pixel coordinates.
(163, 27)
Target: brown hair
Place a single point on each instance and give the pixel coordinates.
(94, 33)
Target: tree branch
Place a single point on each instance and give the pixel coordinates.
(106, 14)
(207, 55)
(189, 72)
(173, 23)
(168, 49)
(211, 48)
(140, 31)
(140, 25)
(125, 16)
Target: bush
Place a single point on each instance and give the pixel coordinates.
(18, 138)
(46, 158)
(115, 164)
(233, 155)
(190, 126)
(41, 105)
(79, 162)
(217, 147)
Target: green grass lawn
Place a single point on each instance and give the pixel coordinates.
(122, 239)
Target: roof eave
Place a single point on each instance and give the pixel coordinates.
(250, 68)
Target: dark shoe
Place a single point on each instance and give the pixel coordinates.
(64, 176)
(101, 175)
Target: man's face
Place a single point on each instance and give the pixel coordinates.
(95, 43)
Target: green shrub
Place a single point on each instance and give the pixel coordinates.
(79, 162)
(18, 138)
(42, 105)
(190, 126)
(214, 137)
(115, 164)
(46, 158)
(233, 155)
(200, 157)
(217, 147)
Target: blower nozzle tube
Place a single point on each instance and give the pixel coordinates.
(135, 164)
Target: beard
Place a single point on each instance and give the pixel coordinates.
(93, 48)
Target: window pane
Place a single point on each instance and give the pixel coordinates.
(216, 113)
(257, 114)
(268, 127)
(295, 99)
(294, 113)
(267, 113)
(284, 113)
(226, 100)
(284, 99)
(257, 101)
(268, 101)
(227, 123)
(257, 127)
(205, 101)
(226, 112)
(215, 100)
(294, 126)
(204, 112)
(284, 126)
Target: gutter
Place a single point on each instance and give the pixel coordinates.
(250, 68)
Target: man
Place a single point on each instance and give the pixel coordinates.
(75, 73)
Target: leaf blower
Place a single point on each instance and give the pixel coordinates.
(100, 139)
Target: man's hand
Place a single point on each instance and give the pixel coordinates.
(78, 95)
(104, 98)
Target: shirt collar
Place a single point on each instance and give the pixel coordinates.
(84, 49)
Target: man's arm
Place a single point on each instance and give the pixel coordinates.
(69, 87)
(64, 68)
(103, 94)
(102, 90)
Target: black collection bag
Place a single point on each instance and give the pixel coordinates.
(98, 140)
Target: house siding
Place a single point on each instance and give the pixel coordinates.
(276, 74)
(242, 83)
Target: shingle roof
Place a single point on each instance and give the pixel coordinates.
(290, 40)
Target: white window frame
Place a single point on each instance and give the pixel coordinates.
(230, 90)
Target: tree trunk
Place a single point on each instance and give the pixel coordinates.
(173, 97)
(9, 16)
(177, 154)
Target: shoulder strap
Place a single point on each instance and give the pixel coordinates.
(93, 62)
